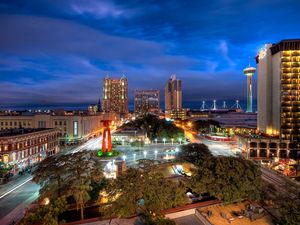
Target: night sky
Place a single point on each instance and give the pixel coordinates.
(58, 51)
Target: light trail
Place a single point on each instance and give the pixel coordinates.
(20, 185)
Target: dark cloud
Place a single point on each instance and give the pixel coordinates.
(59, 51)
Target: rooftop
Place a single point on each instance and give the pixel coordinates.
(15, 132)
(235, 214)
(285, 45)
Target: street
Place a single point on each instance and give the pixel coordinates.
(216, 148)
(19, 193)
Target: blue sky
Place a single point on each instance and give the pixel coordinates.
(58, 51)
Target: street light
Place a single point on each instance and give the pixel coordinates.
(145, 154)
(172, 140)
(155, 141)
(155, 154)
(176, 149)
(134, 155)
(124, 157)
(164, 140)
(180, 139)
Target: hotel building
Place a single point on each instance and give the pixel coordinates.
(146, 101)
(278, 119)
(115, 95)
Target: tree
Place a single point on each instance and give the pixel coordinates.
(193, 153)
(83, 168)
(203, 126)
(227, 178)
(158, 220)
(46, 214)
(69, 175)
(290, 213)
(50, 175)
(143, 191)
(155, 127)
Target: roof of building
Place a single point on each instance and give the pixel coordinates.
(22, 131)
(286, 45)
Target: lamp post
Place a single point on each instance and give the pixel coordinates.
(172, 140)
(155, 154)
(164, 140)
(145, 154)
(180, 139)
(155, 141)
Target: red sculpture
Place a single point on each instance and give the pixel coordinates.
(106, 138)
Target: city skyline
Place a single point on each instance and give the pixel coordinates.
(72, 47)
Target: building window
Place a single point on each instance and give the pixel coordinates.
(75, 128)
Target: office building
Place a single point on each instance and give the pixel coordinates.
(24, 147)
(115, 95)
(146, 101)
(173, 94)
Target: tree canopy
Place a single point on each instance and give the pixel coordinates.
(156, 128)
(68, 175)
(193, 153)
(290, 213)
(143, 191)
(204, 126)
(227, 178)
(46, 214)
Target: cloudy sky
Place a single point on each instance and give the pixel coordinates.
(58, 51)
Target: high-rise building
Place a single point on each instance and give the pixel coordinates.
(173, 94)
(279, 90)
(249, 71)
(115, 95)
(146, 101)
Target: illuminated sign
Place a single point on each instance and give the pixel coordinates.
(75, 128)
(262, 53)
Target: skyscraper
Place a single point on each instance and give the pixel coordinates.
(279, 90)
(173, 94)
(146, 101)
(115, 95)
(249, 71)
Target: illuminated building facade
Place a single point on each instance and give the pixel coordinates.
(173, 94)
(24, 147)
(115, 95)
(279, 90)
(146, 101)
(74, 127)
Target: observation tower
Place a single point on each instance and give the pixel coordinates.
(249, 71)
